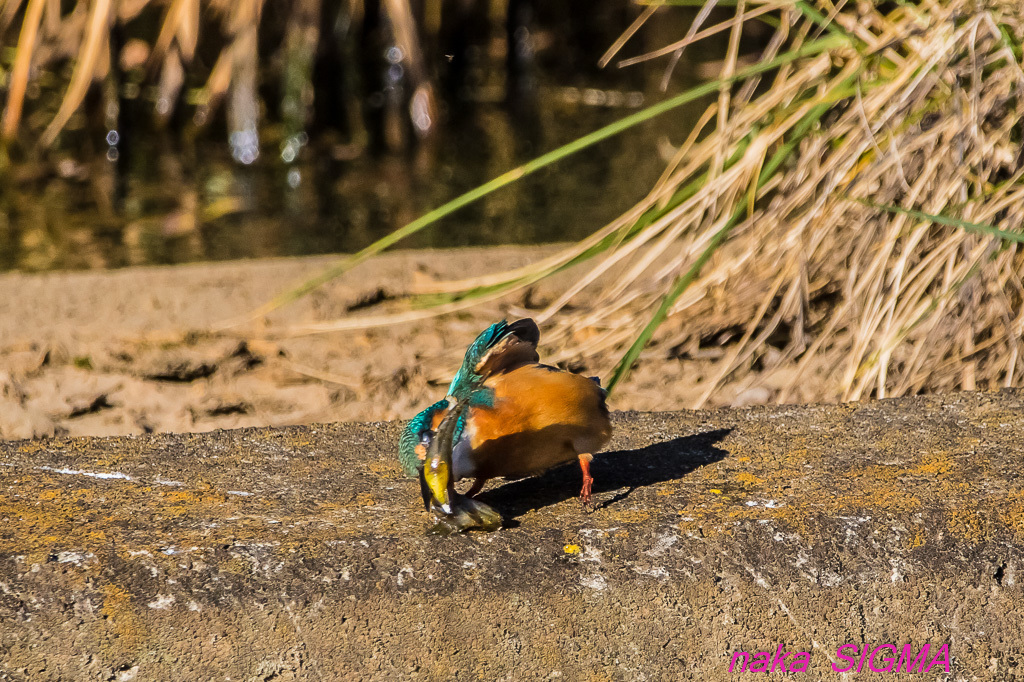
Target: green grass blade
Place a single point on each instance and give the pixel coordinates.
(1014, 44)
(707, 89)
(979, 228)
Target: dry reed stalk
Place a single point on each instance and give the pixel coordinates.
(93, 62)
(22, 63)
(83, 35)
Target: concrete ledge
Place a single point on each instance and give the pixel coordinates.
(301, 553)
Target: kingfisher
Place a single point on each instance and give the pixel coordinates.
(505, 414)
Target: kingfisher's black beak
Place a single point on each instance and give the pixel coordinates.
(425, 491)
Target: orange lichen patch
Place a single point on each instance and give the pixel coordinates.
(1001, 419)
(33, 446)
(121, 613)
(693, 523)
(877, 487)
(630, 516)
(236, 565)
(388, 469)
(42, 519)
(598, 677)
(33, 527)
(180, 503)
(1011, 514)
(939, 465)
(915, 538)
(891, 500)
(747, 478)
(967, 524)
(302, 442)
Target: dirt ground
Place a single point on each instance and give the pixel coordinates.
(129, 351)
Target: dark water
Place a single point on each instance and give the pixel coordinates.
(173, 195)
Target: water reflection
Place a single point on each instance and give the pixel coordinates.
(374, 149)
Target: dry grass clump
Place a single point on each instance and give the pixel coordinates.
(924, 117)
(851, 207)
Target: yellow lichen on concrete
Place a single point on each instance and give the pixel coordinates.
(32, 446)
(121, 612)
(630, 516)
(747, 478)
(387, 469)
(967, 524)
(937, 464)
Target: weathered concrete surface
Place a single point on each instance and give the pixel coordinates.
(300, 553)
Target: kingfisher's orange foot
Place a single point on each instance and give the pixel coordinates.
(588, 483)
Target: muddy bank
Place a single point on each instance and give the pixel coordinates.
(301, 553)
(129, 351)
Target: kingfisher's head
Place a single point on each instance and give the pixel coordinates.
(500, 345)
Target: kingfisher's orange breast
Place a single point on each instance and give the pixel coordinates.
(541, 417)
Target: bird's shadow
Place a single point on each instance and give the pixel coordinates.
(623, 471)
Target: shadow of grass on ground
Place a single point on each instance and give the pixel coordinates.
(623, 471)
